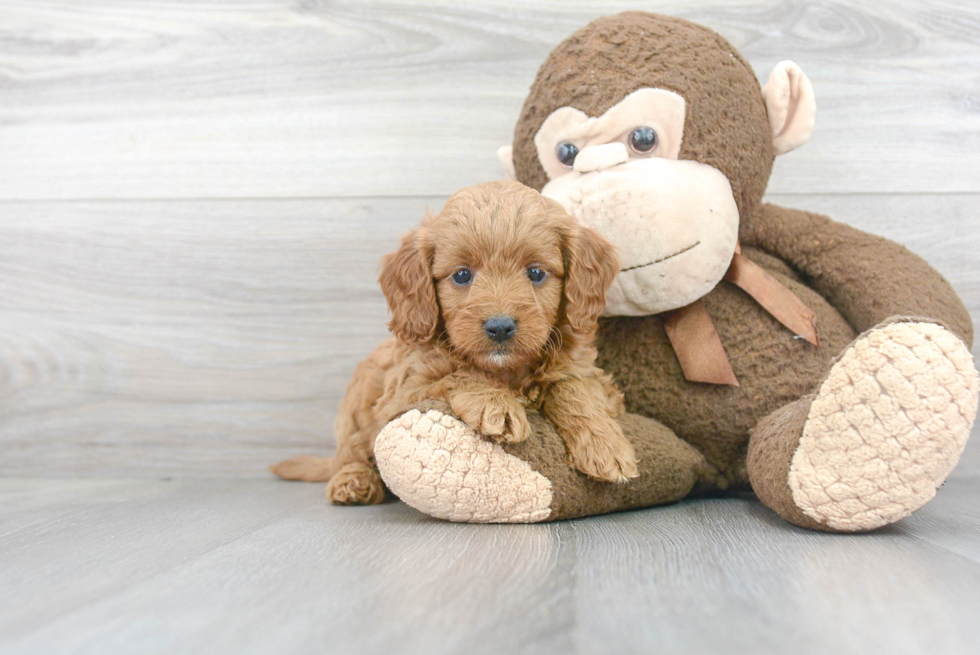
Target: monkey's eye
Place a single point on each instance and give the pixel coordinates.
(536, 274)
(463, 276)
(643, 139)
(566, 153)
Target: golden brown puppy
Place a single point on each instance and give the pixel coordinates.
(494, 304)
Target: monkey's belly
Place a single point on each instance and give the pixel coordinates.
(772, 365)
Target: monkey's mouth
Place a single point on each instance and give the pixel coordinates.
(662, 259)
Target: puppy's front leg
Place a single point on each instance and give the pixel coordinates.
(492, 411)
(581, 411)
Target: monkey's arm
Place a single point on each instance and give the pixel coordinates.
(866, 277)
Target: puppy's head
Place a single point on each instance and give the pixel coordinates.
(499, 271)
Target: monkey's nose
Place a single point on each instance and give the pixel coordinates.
(595, 158)
(500, 328)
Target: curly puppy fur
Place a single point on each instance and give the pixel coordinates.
(504, 235)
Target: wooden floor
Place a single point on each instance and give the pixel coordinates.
(246, 566)
(194, 195)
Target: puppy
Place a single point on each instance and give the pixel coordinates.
(494, 304)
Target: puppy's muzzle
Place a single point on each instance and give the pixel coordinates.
(500, 328)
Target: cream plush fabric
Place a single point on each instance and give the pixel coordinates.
(437, 465)
(886, 428)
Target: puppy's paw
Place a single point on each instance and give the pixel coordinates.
(497, 414)
(604, 454)
(356, 484)
(516, 427)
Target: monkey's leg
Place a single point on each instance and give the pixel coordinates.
(435, 463)
(877, 439)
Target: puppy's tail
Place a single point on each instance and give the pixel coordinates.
(307, 468)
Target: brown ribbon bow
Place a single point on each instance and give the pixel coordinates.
(693, 336)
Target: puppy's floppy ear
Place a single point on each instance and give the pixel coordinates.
(406, 281)
(591, 265)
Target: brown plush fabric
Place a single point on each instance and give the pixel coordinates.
(669, 470)
(774, 442)
(717, 419)
(866, 277)
(596, 67)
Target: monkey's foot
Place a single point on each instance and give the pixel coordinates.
(442, 467)
(883, 432)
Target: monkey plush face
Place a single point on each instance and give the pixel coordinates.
(675, 223)
(655, 132)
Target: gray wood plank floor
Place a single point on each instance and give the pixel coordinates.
(198, 566)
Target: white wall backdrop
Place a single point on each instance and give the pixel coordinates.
(194, 194)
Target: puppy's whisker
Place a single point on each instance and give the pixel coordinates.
(551, 349)
(561, 339)
(555, 341)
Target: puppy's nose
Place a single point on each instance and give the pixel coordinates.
(500, 328)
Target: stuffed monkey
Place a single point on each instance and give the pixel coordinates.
(758, 347)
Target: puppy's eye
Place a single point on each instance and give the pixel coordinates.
(536, 274)
(643, 139)
(566, 153)
(463, 276)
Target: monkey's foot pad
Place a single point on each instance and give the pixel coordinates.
(440, 466)
(887, 426)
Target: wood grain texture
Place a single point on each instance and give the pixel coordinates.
(281, 98)
(262, 566)
(184, 330)
(212, 338)
(193, 198)
(706, 578)
(92, 539)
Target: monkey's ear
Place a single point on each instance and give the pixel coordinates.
(406, 281)
(791, 106)
(506, 156)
